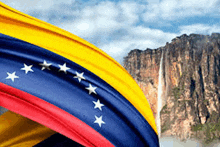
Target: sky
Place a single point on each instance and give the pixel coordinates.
(117, 27)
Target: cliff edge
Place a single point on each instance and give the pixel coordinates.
(190, 84)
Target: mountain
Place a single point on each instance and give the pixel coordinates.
(181, 81)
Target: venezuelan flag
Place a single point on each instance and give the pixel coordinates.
(70, 86)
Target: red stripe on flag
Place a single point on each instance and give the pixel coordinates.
(50, 116)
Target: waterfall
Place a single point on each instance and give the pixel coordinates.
(159, 98)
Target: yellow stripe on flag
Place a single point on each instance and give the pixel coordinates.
(37, 32)
(18, 131)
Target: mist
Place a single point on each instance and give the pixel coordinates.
(173, 142)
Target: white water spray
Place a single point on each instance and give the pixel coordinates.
(159, 98)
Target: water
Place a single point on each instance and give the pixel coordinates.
(159, 99)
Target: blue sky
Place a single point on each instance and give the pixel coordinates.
(120, 26)
(117, 27)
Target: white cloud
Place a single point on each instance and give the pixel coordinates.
(106, 9)
(82, 28)
(153, 34)
(199, 29)
(94, 20)
(116, 27)
(153, 1)
(136, 38)
(130, 12)
(168, 10)
(111, 27)
(27, 5)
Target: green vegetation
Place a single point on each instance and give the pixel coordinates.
(164, 110)
(205, 101)
(166, 125)
(207, 132)
(197, 127)
(176, 93)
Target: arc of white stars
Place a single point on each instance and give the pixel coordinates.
(99, 120)
(11, 76)
(27, 68)
(45, 65)
(63, 68)
(91, 89)
(98, 105)
(79, 76)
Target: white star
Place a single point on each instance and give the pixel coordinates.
(79, 76)
(91, 89)
(98, 105)
(27, 68)
(99, 120)
(11, 76)
(63, 67)
(45, 65)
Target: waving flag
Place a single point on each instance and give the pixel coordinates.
(68, 85)
(17, 130)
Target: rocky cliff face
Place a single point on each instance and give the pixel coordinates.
(190, 84)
